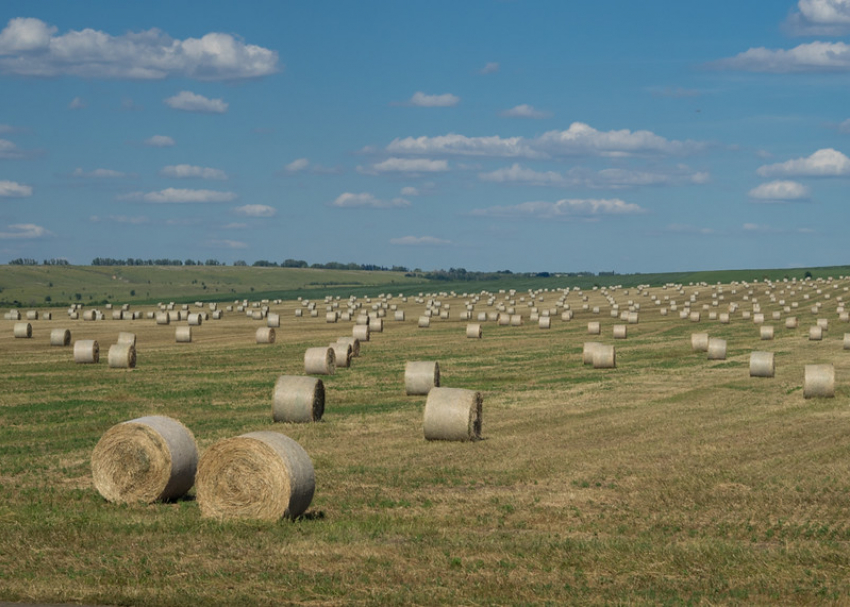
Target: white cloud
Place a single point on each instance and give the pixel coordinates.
(24, 231)
(418, 241)
(780, 191)
(409, 191)
(121, 219)
(682, 228)
(810, 57)
(820, 18)
(453, 144)
(159, 141)
(297, 165)
(844, 127)
(179, 195)
(823, 163)
(77, 103)
(606, 178)
(256, 210)
(350, 200)
(490, 68)
(191, 102)
(187, 171)
(30, 47)
(756, 227)
(420, 99)
(9, 150)
(562, 208)
(407, 165)
(98, 174)
(525, 111)
(517, 173)
(13, 189)
(226, 244)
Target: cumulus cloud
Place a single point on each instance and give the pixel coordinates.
(159, 141)
(820, 18)
(525, 111)
(297, 165)
(490, 68)
(256, 210)
(77, 103)
(24, 231)
(31, 47)
(13, 189)
(780, 191)
(606, 178)
(367, 200)
(407, 165)
(188, 171)
(9, 150)
(810, 57)
(98, 174)
(409, 191)
(683, 228)
(823, 163)
(139, 220)
(461, 145)
(226, 244)
(419, 241)
(191, 102)
(180, 195)
(519, 174)
(420, 99)
(303, 165)
(565, 208)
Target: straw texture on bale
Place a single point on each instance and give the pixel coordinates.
(163, 318)
(424, 322)
(453, 414)
(145, 460)
(421, 376)
(791, 322)
(272, 320)
(122, 356)
(815, 333)
(716, 349)
(377, 325)
(587, 351)
(298, 399)
(360, 332)
(342, 354)
(183, 335)
(819, 381)
(127, 338)
(473, 331)
(544, 322)
(319, 361)
(766, 332)
(594, 328)
(22, 330)
(32, 314)
(604, 357)
(259, 475)
(761, 364)
(265, 335)
(516, 320)
(60, 337)
(699, 342)
(86, 351)
(621, 331)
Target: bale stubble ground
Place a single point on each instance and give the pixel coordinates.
(668, 479)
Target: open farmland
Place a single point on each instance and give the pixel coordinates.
(670, 479)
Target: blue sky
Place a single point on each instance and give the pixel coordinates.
(528, 136)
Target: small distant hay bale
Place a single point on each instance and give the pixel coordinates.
(183, 335)
(22, 330)
(473, 331)
(259, 475)
(145, 460)
(265, 335)
(298, 399)
(695, 317)
(272, 320)
(716, 349)
(758, 318)
(633, 318)
(815, 333)
(86, 351)
(353, 342)
(544, 322)
(766, 332)
(122, 356)
(60, 337)
(621, 331)
(761, 364)
(724, 318)
(791, 322)
(424, 322)
(299, 313)
(420, 377)
(319, 361)
(342, 354)
(819, 381)
(699, 342)
(163, 318)
(453, 414)
(13, 315)
(587, 351)
(594, 328)
(125, 337)
(32, 314)
(604, 357)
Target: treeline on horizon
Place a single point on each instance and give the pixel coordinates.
(452, 274)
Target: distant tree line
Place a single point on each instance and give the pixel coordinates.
(109, 261)
(27, 261)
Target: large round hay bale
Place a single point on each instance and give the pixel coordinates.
(791, 322)
(360, 332)
(60, 337)
(272, 320)
(815, 333)
(86, 351)
(265, 335)
(144, 460)
(319, 361)
(621, 331)
(195, 320)
(604, 357)
(587, 351)
(353, 342)
(32, 314)
(424, 322)
(421, 376)
(331, 317)
(473, 331)
(819, 381)
(724, 318)
(127, 338)
(699, 342)
(259, 475)
(398, 315)
(716, 349)
(298, 399)
(342, 354)
(22, 330)
(122, 356)
(766, 332)
(695, 316)
(594, 328)
(377, 325)
(453, 414)
(183, 335)
(163, 318)
(516, 320)
(761, 364)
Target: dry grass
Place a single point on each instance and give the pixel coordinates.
(670, 479)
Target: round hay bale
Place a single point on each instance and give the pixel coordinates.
(60, 337)
(815, 333)
(695, 316)
(594, 328)
(272, 320)
(22, 330)
(360, 332)
(819, 381)
(298, 399)
(265, 335)
(195, 320)
(604, 357)
(766, 332)
(453, 414)
(421, 376)
(473, 331)
(299, 313)
(32, 314)
(183, 335)
(377, 325)
(259, 475)
(145, 460)
(319, 361)
(544, 322)
(342, 354)
(163, 318)
(86, 351)
(353, 342)
(633, 318)
(587, 351)
(847, 341)
(716, 349)
(791, 322)
(761, 364)
(724, 318)
(13, 315)
(127, 338)
(621, 331)
(699, 342)
(516, 320)
(399, 315)
(122, 356)
(823, 323)
(424, 322)
(331, 317)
